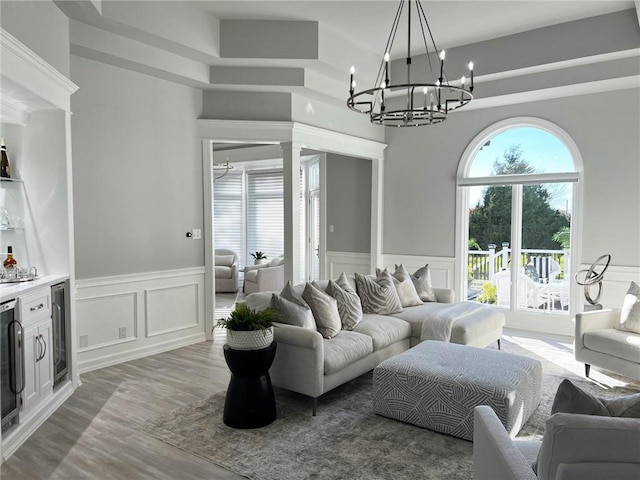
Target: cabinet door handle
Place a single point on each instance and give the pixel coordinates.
(39, 354)
(44, 347)
(39, 307)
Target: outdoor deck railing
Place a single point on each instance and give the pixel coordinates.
(483, 264)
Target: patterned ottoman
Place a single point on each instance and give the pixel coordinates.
(437, 384)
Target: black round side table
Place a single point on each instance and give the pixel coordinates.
(250, 402)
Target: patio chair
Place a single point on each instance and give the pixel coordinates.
(528, 294)
(548, 269)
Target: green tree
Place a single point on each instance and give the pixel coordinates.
(490, 219)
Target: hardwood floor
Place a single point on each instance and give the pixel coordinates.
(92, 436)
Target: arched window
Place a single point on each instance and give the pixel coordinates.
(518, 195)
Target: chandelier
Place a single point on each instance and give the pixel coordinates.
(426, 103)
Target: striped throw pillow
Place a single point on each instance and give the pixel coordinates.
(378, 295)
(349, 306)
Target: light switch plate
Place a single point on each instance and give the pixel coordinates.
(197, 234)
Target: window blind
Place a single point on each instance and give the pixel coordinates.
(228, 213)
(265, 214)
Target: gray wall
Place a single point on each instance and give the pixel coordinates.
(42, 27)
(421, 165)
(137, 172)
(348, 204)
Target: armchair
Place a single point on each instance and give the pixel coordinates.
(226, 270)
(264, 277)
(528, 295)
(574, 446)
(598, 343)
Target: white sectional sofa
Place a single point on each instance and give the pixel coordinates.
(311, 365)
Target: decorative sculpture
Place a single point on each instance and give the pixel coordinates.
(589, 277)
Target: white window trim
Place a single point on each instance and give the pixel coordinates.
(550, 324)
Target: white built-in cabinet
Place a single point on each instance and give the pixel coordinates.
(35, 314)
(35, 120)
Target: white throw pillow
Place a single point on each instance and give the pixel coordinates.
(349, 306)
(378, 295)
(325, 311)
(422, 281)
(404, 286)
(630, 315)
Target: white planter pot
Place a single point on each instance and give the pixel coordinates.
(250, 340)
(260, 261)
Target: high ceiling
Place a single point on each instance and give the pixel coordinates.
(367, 22)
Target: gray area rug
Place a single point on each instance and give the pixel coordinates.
(344, 441)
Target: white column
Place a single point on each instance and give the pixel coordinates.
(377, 182)
(291, 173)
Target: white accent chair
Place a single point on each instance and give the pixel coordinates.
(598, 343)
(264, 277)
(574, 447)
(226, 270)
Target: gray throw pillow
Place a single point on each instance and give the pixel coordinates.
(346, 284)
(572, 399)
(422, 281)
(630, 315)
(378, 295)
(349, 306)
(293, 314)
(406, 289)
(290, 294)
(325, 311)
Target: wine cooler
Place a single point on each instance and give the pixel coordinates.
(60, 332)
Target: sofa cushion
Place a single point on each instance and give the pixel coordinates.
(383, 330)
(630, 314)
(224, 260)
(415, 316)
(325, 311)
(422, 281)
(379, 295)
(345, 349)
(293, 314)
(616, 343)
(349, 306)
(223, 272)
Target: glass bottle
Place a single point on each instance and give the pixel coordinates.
(5, 169)
(9, 263)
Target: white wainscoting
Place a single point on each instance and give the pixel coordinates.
(614, 286)
(347, 262)
(442, 268)
(122, 318)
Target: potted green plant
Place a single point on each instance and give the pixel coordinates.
(249, 329)
(259, 257)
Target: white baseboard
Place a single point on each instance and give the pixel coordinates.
(124, 317)
(111, 359)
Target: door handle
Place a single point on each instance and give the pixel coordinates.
(18, 358)
(56, 329)
(39, 348)
(44, 344)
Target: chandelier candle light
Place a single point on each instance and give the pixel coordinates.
(438, 98)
